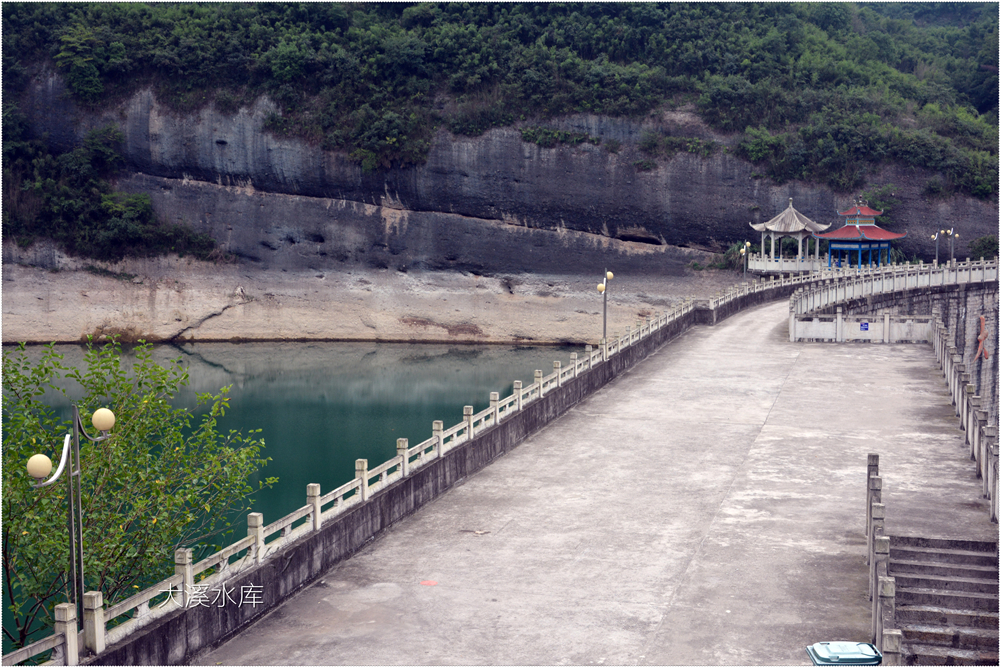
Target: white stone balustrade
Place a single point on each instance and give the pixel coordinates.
(833, 288)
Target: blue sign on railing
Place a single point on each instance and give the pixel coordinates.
(864, 326)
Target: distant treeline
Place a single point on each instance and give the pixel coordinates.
(817, 91)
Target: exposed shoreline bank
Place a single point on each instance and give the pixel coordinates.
(179, 300)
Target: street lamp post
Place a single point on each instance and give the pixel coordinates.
(602, 287)
(745, 253)
(40, 465)
(937, 239)
(952, 235)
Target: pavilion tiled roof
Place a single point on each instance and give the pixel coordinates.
(789, 221)
(861, 233)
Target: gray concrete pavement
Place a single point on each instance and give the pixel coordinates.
(705, 508)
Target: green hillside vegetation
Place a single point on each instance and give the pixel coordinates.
(815, 91)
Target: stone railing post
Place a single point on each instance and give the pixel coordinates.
(255, 529)
(184, 565)
(953, 359)
(878, 529)
(67, 627)
(402, 449)
(991, 452)
(886, 335)
(887, 607)
(874, 496)
(880, 568)
(791, 323)
(539, 381)
(361, 474)
(976, 424)
(557, 368)
(970, 422)
(942, 344)
(518, 391)
(939, 341)
(604, 349)
(872, 472)
(840, 324)
(984, 458)
(589, 356)
(312, 499)
(93, 622)
(575, 363)
(892, 647)
(969, 416)
(470, 431)
(994, 484)
(958, 368)
(495, 406)
(437, 428)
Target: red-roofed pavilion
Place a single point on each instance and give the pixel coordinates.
(859, 234)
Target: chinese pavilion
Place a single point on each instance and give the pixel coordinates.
(788, 223)
(859, 234)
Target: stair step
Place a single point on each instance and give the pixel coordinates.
(930, 654)
(932, 615)
(967, 638)
(941, 543)
(937, 555)
(950, 599)
(944, 583)
(943, 569)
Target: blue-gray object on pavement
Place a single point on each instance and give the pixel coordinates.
(844, 653)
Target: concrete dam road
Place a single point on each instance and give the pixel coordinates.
(705, 508)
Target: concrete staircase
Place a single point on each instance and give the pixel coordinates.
(946, 600)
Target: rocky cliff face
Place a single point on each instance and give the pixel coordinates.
(487, 204)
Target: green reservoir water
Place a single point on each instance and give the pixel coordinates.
(321, 406)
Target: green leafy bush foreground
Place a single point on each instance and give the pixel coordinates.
(821, 91)
(163, 480)
(67, 197)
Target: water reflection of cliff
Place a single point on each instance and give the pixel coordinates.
(365, 372)
(361, 372)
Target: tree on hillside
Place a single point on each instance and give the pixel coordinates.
(984, 247)
(163, 480)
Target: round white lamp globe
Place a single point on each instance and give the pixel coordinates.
(103, 419)
(39, 466)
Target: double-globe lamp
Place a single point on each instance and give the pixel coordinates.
(40, 465)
